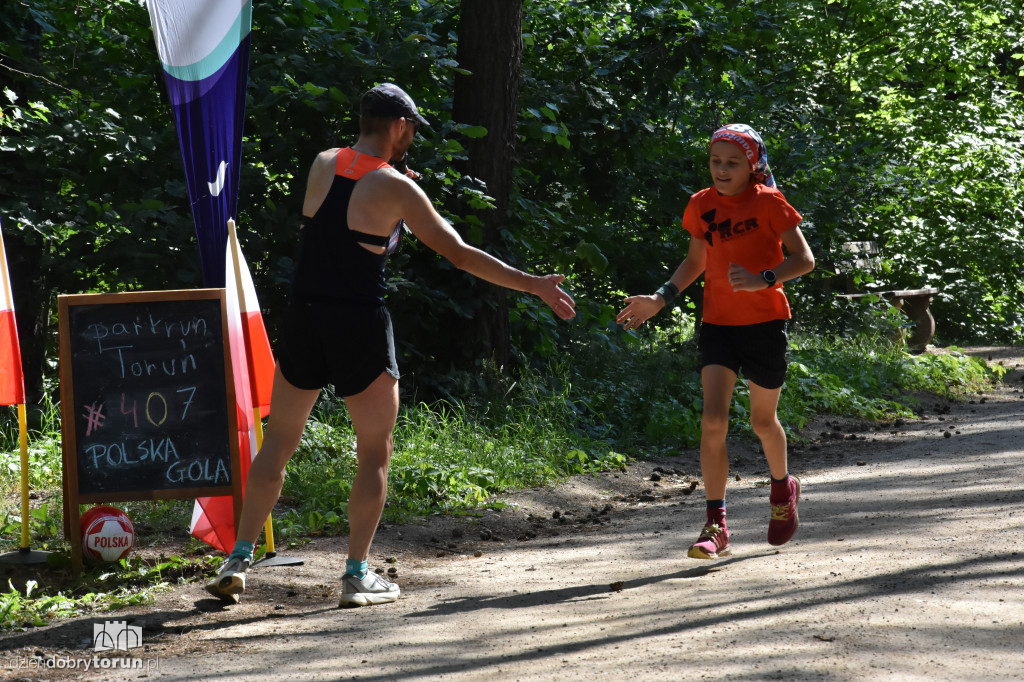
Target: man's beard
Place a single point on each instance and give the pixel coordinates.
(401, 164)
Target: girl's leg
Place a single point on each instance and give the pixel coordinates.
(718, 382)
(764, 419)
(785, 489)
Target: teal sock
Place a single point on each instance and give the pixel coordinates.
(356, 567)
(242, 550)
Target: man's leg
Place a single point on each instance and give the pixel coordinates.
(290, 407)
(373, 413)
(289, 410)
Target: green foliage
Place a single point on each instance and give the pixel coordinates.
(19, 610)
(448, 457)
(105, 587)
(897, 122)
(44, 448)
(644, 389)
(950, 374)
(156, 519)
(872, 378)
(450, 461)
(45, 527)
(82, 108)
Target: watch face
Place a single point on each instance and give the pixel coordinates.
(769, 276)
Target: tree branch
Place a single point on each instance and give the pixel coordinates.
(32, 75)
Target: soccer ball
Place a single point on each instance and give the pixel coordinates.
(107, 534)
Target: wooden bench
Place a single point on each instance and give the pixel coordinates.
(863, 256)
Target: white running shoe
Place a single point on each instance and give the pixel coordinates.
(229, 583)
(371, 589)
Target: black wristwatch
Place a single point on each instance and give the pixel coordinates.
(769, 276)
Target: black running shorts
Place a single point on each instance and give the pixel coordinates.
(756, 350)
(347, 345)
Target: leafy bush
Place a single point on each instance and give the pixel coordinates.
(131, 581)
(448, 457)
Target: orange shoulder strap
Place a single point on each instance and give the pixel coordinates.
(352, 164)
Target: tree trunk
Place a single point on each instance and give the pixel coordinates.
(490, 48)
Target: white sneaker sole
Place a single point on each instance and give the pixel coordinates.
(227, 588)
(367, 599)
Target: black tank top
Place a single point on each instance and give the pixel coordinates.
(332, 265)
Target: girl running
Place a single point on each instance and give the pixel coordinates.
(738, 228)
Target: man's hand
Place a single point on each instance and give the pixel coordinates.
(742, 279)
(556, 298)
(639, 309)
(402, 166)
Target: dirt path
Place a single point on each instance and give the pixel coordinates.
(909, 565)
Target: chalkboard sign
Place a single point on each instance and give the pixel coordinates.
(147, 400)
(147, 395)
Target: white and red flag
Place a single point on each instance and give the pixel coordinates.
(12, 377)
(258, 355)
(253, 363)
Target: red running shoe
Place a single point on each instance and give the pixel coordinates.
(784, 522)
(712, 543)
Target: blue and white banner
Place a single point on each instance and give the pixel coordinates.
(204, 48)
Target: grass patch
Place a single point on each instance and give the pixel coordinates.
(134, 580)
(873, 378)
(448, 458)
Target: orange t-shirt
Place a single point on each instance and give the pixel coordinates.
(744, 229)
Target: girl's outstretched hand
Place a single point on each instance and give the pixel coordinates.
(639, 309)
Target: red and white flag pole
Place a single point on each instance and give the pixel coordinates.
(12, 392)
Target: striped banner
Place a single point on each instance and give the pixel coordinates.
(204, 48)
